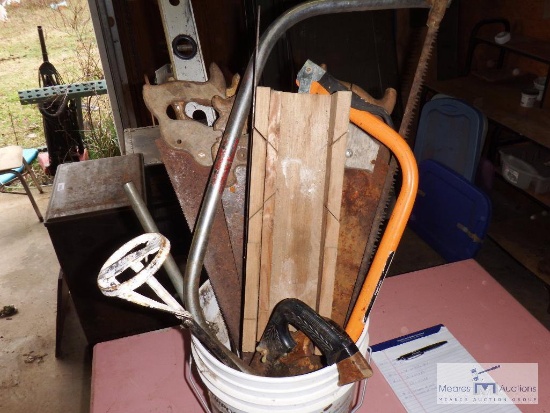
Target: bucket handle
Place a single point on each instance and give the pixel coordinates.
(191, 381)
(361, 398)
(361, 392)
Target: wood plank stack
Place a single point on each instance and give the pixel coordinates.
(298, 157)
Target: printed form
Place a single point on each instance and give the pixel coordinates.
(410, 366)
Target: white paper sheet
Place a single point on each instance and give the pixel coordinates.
(414, 381)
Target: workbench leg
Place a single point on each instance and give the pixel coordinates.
(62, 304)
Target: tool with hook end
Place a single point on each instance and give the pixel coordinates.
(129, 256)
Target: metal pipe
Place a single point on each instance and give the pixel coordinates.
(239, 113)
(148, 224)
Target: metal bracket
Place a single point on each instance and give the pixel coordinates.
(361, 149)
(472, 235)
(73, 90)
(309, 73)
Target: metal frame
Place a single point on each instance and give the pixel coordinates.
(71, 91)
(114, 68)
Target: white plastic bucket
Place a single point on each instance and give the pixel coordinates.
(233, 391)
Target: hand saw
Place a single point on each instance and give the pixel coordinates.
(365, 115)
(187, 149)
(384, 179)
(365, 174)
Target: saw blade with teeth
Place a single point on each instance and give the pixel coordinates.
(384, 207)
(434, 21)
(353, 263)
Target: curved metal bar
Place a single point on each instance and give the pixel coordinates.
(240, 112)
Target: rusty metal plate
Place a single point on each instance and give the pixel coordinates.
(361, 195)
(86, 188)
(361, 149)
(189, 180)
(233, 201)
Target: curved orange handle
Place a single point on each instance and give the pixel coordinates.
(398, 219)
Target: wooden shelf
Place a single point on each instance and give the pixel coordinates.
(522, 45)
(528, 241)
(519, 226)
(542, 198)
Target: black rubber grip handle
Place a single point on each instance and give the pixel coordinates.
(335, 344)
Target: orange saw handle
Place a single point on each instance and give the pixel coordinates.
(398, 219)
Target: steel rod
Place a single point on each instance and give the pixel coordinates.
(148, 224)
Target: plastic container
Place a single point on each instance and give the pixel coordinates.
(528, 98)
(539, 83)
(451, 132)
(502, 37)
(527, 166)
(237, 392)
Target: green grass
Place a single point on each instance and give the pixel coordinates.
(71, 49)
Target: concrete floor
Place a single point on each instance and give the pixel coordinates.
(32, 379)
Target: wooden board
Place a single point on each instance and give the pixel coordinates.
(255, 216)
(528, 241)
(296, 179)
(521, 226)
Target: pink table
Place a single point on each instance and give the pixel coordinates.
(145, 373)
(477, 310)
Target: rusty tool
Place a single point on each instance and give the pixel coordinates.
(239, 113)
(366, 168)
(378, 183)
(336, 346)
(187, 148)
(366, 116)
(373, 281)
(135, 255)
(437, 12)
